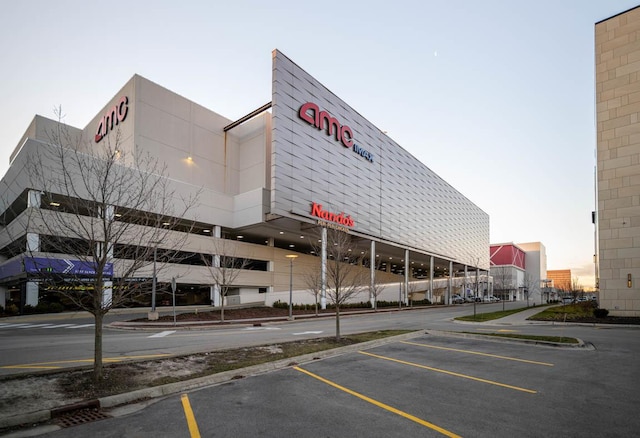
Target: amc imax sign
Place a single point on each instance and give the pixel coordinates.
(310, 113)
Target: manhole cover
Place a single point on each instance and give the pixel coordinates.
(80, 417)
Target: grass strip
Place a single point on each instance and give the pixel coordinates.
(556, 339)
(482, 317)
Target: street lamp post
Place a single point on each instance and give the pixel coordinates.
(291, 258)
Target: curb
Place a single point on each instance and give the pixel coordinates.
(200, 382)
(580, 344)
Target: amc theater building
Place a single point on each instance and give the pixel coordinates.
(271, 183)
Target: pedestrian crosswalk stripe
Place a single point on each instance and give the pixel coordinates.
(162, 334)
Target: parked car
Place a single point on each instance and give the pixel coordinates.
(457, 299)
(491, 299)
(472, 298)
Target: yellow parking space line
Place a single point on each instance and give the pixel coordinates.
(451, 373)
(380, 405)
(191, 419)
(28, 367)
(479, 353)
(60, 363)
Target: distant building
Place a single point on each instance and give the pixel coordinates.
(617, 62)
(519, 270)
(560, 279)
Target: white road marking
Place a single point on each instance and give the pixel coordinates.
(56, 326)
(262, 328)
(34, 326)
(162, 334)
(80, 326)
(307, 333)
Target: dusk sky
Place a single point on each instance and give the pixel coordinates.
(495, 96)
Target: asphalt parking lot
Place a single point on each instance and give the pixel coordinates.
(426, 386)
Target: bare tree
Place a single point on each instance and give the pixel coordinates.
(576, 288)
(376, 287)
(503, 282)
(413, 288)
(224, 267)
(345, 278)
(313, 281)
(530, 285)
(96, 220)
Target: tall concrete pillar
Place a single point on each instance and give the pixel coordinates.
(4, 294)
(214, 295)
(450, 283)
(31, 298)
(323, 270)
(431, 266)
(406, 277)
(107, 294)
(372, 268)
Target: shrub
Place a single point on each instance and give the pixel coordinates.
(28, 309)
(42, 307)
(600, 313)
(56, 308)
(11, 309)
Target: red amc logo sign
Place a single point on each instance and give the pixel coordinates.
(115, 115)
(317, 211)
(342, 132)
(310, 113)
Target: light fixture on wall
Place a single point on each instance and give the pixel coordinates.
(628, 280)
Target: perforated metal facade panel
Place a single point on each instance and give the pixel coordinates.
(391, 196)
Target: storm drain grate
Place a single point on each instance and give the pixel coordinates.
(80, 417)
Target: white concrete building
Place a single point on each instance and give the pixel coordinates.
(270, 184)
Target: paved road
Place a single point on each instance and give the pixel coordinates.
(44, 342)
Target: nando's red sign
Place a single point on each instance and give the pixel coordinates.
(338, 218)
(114, 116)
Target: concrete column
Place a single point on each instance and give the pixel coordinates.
(406, 277)
(214, 291)
(4, 293)
(465, 281)
(33, 198)
(31, 294)
(323, 270)
(107, 294)
(372, 268)
(33, 242)
(431, 266)
(450, 284)
(214, 295)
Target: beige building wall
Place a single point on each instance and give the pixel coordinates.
(617, 59)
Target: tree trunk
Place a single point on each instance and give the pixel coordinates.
(221, 308)
(97, 349)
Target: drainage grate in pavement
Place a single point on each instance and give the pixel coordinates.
(80, 417)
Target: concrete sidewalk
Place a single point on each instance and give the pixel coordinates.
(520, 318)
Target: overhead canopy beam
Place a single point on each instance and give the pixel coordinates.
(251, 115)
